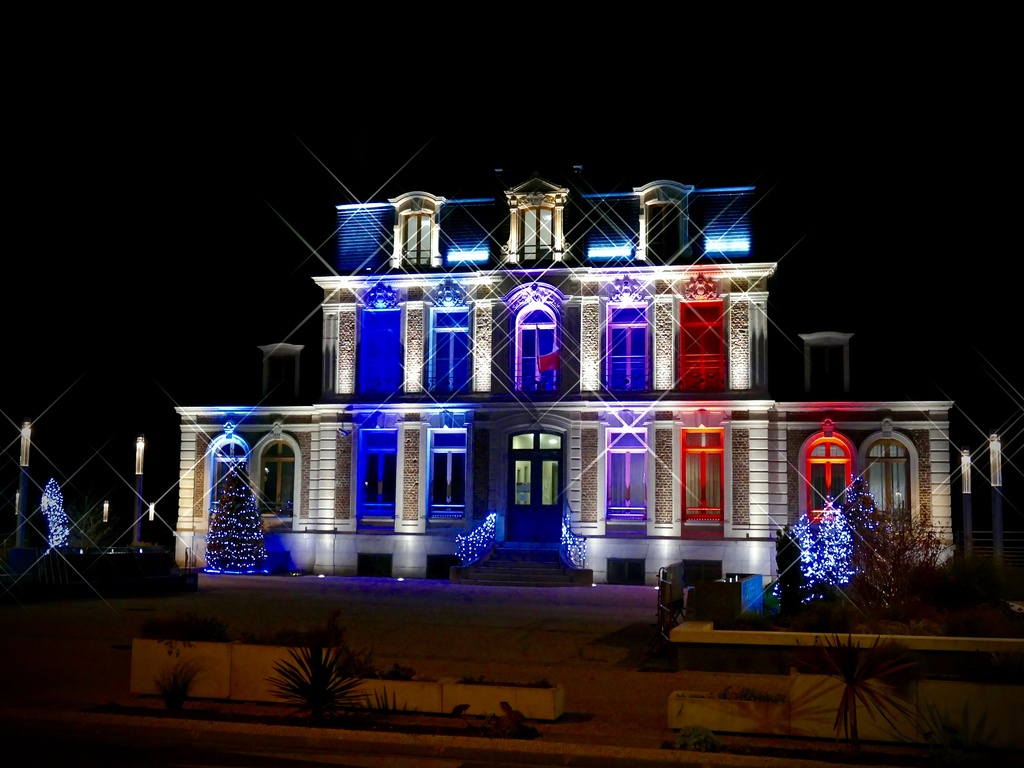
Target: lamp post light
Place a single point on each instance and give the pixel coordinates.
(152, 512)
(995, 464)
(106, 511)
(26, 444)
(965, 485)
(140, 449)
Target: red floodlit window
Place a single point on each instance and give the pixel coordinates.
(702, 347)
(702, 475)
(829, 470)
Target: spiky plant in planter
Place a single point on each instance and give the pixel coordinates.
(175, 682)
(869, 675)
(314, 680)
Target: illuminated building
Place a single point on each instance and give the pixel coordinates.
(551, 353)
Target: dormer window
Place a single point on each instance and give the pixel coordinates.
(538, 237)
(416, 230)
(416, 243)
(663, 221)
(535, 228)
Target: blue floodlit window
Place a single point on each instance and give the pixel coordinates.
(448, 474)
(448, 367)
(538, 360)
(626, 367)
(380, 351)
(378, 457)
(626, 471)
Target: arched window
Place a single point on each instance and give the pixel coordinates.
(277, 483)
(829, 471)
(887, 472)
(228, 452)
(537, 363)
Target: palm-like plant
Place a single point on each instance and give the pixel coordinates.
(869, 675)
(316, 682)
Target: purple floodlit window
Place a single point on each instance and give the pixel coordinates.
(626, 360)
(626, 471)
(537, 356)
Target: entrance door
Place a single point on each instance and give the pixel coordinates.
(535, 488)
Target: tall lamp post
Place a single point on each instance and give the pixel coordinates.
(965, 485)
(140, 449)
(995, 463)
(26, 444)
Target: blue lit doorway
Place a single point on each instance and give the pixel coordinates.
(535, 488)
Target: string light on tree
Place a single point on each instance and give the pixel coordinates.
(56, 518)
(235, 542)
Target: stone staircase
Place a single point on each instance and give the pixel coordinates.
(521, 566)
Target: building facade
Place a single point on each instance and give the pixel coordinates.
(557, 357)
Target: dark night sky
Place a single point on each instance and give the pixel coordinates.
(158, 246)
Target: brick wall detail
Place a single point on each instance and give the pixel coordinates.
(411, 475)
(346, 349)
(343, 478)
(740, 478)
(588, 475)
(664, 474)
(739, 345)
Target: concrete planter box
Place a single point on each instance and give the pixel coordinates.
(153, 658)
(406, 695)
(976, 714)
(239, 672)
(693, 708)
(485, 699)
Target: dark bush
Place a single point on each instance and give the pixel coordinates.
(185, 626)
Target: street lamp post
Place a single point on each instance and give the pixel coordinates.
(995, 464)
(26, 444)
(965, 484)
(140, 449)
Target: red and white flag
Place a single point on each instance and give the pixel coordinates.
(549, 362)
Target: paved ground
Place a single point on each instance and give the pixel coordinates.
(64, 657)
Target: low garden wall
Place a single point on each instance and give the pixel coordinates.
(239, 672)
(945, 701)
(930, 712)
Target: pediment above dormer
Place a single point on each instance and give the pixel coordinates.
(536, 192)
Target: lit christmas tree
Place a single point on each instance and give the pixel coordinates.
(56, 519)
(830, 549)
(235, 542)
